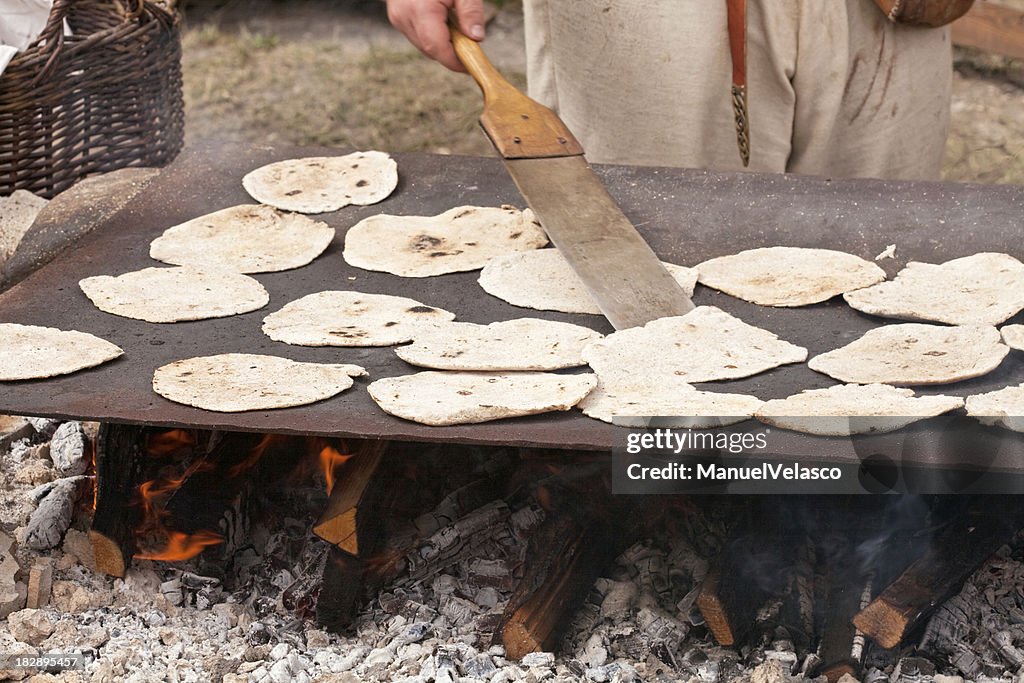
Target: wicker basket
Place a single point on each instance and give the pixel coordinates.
(106, 97)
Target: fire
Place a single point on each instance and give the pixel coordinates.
(254, 455)
(181, 546)
(153, 497)
(330, 459)
(169, 442)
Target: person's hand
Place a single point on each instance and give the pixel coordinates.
(425, 24)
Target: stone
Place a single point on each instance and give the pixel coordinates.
(12, 592)
(316, 639)
(44, 426)
(68, 451)
(544, 659)
(33, 473)
(13, 428)
(30, 626)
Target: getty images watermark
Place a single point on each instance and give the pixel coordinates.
(938, 456)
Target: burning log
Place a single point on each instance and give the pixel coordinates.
(954, 555)
(346, 522)
(585, 530)
(735, 586)
(120, 468)
(841, 649)
(565, 558)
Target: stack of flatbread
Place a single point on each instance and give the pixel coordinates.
(648, 371)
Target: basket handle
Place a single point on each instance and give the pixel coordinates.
(52, 36)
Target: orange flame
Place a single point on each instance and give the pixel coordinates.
(166, 443)
(254, 455)
(181, 546)
(153, 496)
(330, 459)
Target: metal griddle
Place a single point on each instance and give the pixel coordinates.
(723, 213)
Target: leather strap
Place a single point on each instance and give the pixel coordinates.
(737, 21)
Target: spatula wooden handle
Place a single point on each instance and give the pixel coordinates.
(519, 128)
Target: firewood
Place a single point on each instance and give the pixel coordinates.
(955, 553)
(51, 519)
(344, 522)
(120, 464)
(562, 556)
(346, 580)
(40, 583)
(584, 531)
(735, 586)
(841, 649)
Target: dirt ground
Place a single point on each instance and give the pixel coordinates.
(333, 72)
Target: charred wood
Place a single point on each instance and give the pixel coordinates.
(120, 469)
(347, 522)
(956, 552)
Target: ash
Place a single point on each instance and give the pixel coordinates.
(247, 614)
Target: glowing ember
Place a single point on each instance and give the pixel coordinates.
(181, 546)
(330, 459)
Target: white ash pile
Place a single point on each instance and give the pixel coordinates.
(246, 613)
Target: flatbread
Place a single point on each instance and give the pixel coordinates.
(249, 238)
(854, 409)
(236, 382)
(1004, 408)
(788, 276)
(704, 345)
(451, 398)
(460, 239)
(542, 279)
(915, 353)
(1013, 336)
(31, 352)
(167, 295)
(674, 402)
(983, 289)
(343, 318)
(523, 344)
(322, 184)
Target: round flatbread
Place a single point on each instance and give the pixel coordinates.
(343, 318)
(704, 345)
(322, 184)
(523, 344)
(853, 409)
(451, 398)
(542, 279)
(915, 353)
(167, 295)
(236, 382)
(461, 239)
(249, 238)
(788, 276)
(32, 352)
(674, 402)
(1013, 336)
(983, 289)
(1004, 408)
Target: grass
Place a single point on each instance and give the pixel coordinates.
(249, 87)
